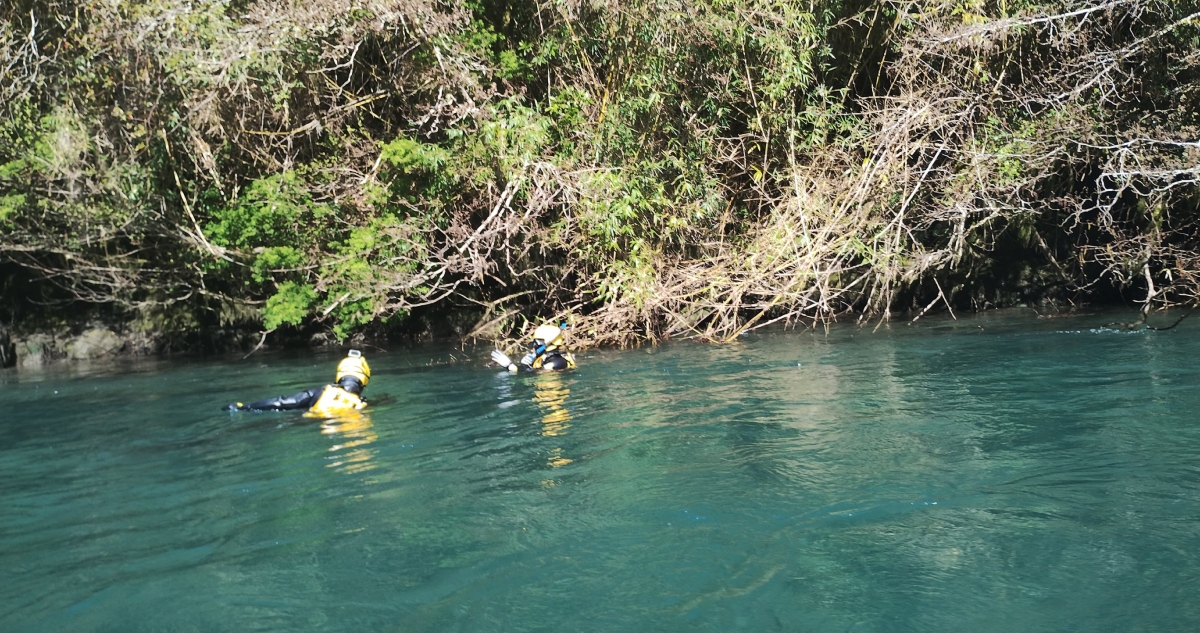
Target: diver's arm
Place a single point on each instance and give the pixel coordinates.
(526, 363)
(302, 400)
(501, 359)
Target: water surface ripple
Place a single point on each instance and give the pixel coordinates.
(997, 473)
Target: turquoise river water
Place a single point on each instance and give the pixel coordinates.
(996, 473)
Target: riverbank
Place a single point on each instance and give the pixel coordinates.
(31, 346)
(649, 170)
(98, 342)
(93, 342)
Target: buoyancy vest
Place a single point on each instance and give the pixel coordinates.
(552, 358)
(335, 401)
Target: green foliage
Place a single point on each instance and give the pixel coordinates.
(361, 268)
(484, 37)
(512, 136)
(289, 305)
(260, 163)
(413, 158)
(276, 258)
(10, 205)
(274, 211)
(416, 173)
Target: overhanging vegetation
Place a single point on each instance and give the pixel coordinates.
(648, 168)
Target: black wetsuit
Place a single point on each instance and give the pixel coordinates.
(554, 360)
(302, 400)
(550, 360)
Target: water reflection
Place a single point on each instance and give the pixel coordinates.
(355, 431)
(550, 394)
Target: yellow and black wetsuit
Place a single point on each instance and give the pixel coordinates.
(547, 352)
(324, 401)
(551, 361)
(342, 397)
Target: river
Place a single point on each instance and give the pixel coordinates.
(994, 473)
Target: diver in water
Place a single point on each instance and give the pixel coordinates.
(343, 396)
(547, 351)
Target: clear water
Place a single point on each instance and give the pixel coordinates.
(991, 474)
